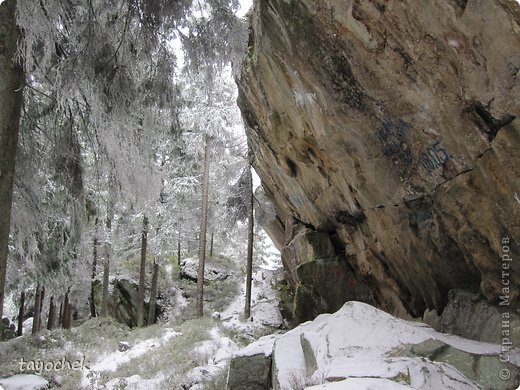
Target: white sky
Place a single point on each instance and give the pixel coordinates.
(245, 5)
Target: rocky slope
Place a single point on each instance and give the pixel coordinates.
(386, 135)
(379, 351)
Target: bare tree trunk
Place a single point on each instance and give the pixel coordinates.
(52, 315)
(64, 311)
(142, 271)
(211, 245)
(179, 250)
(67, 316)
(203, 228)
(153, 294)
(21, 310)
(106, 272)
(11, 97)
(250, 237)
(60, 314)
(40, 318)
(37, 306)
(94, 270)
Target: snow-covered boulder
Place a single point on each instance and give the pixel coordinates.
(250, 368)
(361, 347)
(190, 268)
(24, 382)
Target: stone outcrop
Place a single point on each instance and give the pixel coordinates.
(250, 373)
(361, 347)
(472, 316)
(123, 302)
(250, 368)
(190, 266)
(386, 136)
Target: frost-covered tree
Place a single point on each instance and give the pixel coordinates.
(99, 105)
(11, 86)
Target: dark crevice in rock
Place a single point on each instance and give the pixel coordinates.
(293, 169)
(459, 6)
(451, 179)
(351, 218)
(492, 125)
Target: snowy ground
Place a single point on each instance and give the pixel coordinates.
(182, 352)
(215, 351)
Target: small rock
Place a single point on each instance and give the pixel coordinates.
(124, 346)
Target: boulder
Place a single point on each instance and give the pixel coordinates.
(190, 268)
(392, 129)
(361, 347)
(122, 304)
(480, 368)
(124, 346)
(24, 382)
(250, 368)
(249, 373)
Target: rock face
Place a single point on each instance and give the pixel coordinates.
(473, 316)
(385, 134)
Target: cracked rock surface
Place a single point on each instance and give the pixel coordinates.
(386, 134)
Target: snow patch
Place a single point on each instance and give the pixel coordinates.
(24, 382)
(112, 361)
(264, 345)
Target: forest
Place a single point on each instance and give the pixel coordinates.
(114, 104)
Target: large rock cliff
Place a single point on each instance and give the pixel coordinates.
(386, 135)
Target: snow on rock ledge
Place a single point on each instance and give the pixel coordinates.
(361, 347)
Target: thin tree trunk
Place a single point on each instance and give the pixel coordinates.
(153, 294)
(11, 96)
(94, 271)
(52, 314)
(21, 310)
(211, 245)
(250, 237)
(65, 306)
(37, 305)
(142, 271)
(60, 314)
(106, 272)
(40, 318)
(203, 228)
(179, 250)
(67, 323)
